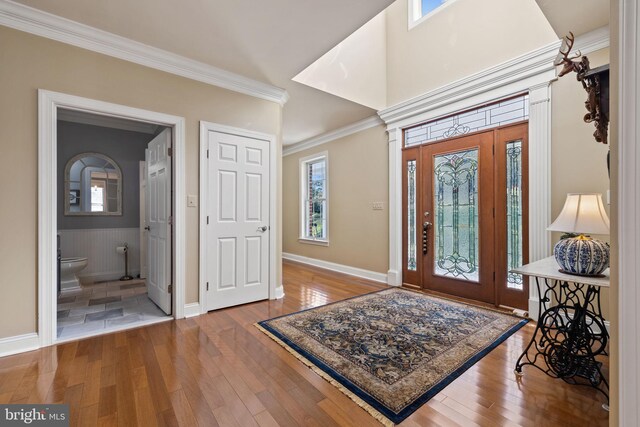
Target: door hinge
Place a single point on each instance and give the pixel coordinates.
(207, 285)
(169, 152)
(207, 153)
(170, 289)
(494, 212)
(494, 276)
(170, 220)
(207, 219)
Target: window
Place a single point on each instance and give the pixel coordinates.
(314, 195)
(420, 9)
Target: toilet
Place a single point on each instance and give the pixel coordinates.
(69, 268)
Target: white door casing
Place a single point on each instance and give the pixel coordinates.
(48, 104)
(237, 208)
(158, 214)
(143, 218)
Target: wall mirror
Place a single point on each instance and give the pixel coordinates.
(93, 186)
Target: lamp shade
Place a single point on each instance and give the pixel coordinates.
(582, 213)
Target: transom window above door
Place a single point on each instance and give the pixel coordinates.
(314, 199)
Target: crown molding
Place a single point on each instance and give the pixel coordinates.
(592, 41)
(537, 62)
(358, 126)
(526, 70)
(43, 24)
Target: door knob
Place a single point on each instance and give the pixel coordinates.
(148, 228)
(263, 228)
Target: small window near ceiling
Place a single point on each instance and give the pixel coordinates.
(314, 199)
(419, 10)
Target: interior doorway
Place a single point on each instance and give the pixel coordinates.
(101, 285)
(465, 215)
(103, 195)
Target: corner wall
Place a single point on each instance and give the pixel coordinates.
(30, 63)
(358, 176)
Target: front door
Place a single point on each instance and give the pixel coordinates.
(465, 215)
(158, 223)
(458, 220)
(237, 220)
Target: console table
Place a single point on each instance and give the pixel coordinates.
(570, 331)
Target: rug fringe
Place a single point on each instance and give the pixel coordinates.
(364, 405)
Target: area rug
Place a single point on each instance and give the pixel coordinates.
(392, 350)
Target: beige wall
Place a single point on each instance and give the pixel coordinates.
(29, 63)
(578, 162)
(358, 176)
(465, 37)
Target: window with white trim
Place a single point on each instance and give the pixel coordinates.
(419, 10)
(314, 199)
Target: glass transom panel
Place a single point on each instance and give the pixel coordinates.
(483, 118)
(455, 195)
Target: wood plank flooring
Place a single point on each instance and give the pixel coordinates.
(219, 370)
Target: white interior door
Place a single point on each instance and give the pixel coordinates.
(238, 220)
(143, 219)
(159, 220)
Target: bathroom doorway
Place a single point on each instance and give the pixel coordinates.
(99, 223)
(95, 151)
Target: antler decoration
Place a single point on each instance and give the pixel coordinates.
(590, 82)
(569, 63)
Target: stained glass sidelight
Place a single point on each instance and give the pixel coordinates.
(514, 213)
(411, 213)
(456, 215)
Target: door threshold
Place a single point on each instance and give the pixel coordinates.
(106, 331)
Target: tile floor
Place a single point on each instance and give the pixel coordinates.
(102, 306)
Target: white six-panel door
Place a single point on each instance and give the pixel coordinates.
(158, 212)
(238, 220)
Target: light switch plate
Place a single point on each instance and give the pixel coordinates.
(378, 206)
(192, 201)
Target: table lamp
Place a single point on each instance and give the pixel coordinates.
(582, 214)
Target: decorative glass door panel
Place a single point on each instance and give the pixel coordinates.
(514, 212)
(457, 206)
(456, 215)
(512, 218)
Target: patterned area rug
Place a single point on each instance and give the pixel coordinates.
(393, 350)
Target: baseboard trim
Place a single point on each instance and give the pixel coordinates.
(351, 271)
(19, 344)
(192, 310)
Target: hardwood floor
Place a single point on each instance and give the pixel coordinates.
(219, 370)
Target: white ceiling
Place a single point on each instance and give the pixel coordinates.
(577, 16)
(270, 41)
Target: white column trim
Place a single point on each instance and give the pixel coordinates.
(628, 214)
(394, 274)
(48, 104)
(539, 181)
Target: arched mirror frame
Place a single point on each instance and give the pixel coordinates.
(67, 186)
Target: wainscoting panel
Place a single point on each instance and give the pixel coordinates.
(99, 246)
